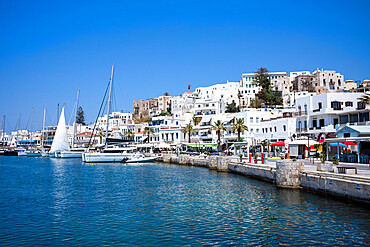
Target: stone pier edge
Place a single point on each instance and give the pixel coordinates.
(287, 174)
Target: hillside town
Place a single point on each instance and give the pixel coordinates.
(300, 106)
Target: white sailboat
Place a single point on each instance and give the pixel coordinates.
(73, 153)
(106, 156)
(60, 142)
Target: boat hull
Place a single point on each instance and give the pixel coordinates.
(104, 157)
(140, 160)
(33, 154)
(10, 153)
(22, 153)
(71, 154)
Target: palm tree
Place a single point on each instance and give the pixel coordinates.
(218, 126)
(166, 94)
(239, 126)
(365, 100)
(196, 120)
(149, 131)
(188, 129)
(101, 135)
(129, 133)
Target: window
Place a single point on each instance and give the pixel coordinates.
(275, 128)
(270, 129)
(251, 120)
(320, 105)
(257, 130)
(257, 119)
(336, 105)
(322, 123)
(177, 135)
(347, 135)
(251, 130)
(343, 119)
(364, 116)
(360, 105)
(349, 104)
(353, 118)
(284, 127)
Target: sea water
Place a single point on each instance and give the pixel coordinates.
(67, 202)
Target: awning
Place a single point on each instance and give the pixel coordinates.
(279, 143)
(27, 141)
(350, 143)
(321, 140)
(303, 142)
(336, 144)
(206, 145)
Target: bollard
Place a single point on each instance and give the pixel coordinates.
(263, 158)
(250, 158)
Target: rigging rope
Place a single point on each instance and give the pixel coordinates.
(101, 105)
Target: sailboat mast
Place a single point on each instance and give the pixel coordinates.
(75, 122)
(42, 132)
(31, 127)
(19, 122)
(109, 100)
(57, 113)
(3, 134)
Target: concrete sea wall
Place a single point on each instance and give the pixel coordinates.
(286, 174)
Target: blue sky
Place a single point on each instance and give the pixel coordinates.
(50, 49)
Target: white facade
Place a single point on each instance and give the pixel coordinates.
(208, 107)
(183, 104)
(228, 92)
(324, 113)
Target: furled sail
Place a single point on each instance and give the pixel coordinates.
(60, 142)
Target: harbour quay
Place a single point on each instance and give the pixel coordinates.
(285, 174)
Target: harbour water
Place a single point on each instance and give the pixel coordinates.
(66, 202)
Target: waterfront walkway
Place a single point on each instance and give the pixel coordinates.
(363, 170)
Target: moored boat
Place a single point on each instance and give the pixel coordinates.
(138, 158)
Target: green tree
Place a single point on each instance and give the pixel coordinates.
(196, 120)
(188, 129)
(148, 131)
(266, 94)
(218, 126)
(239, 126)
(232, 108)
(80, 118)
(129, 133)
(365, 99)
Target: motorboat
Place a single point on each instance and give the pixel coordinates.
(105, 157)
(138, 158)
(10, 153)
